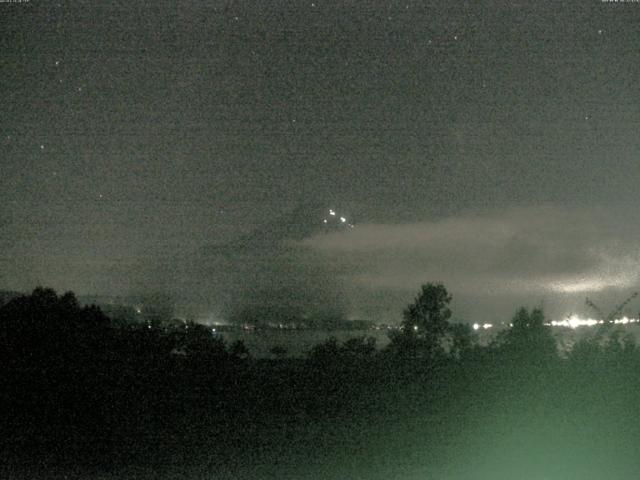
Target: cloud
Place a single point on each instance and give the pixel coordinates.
(507, 254)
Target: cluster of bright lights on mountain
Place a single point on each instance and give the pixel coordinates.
(341, 219)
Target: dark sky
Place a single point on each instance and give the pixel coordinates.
(492, 145)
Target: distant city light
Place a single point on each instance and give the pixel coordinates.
(625, 320)
(331, 212)
(343, 220)
(484, 326)
(574, 321)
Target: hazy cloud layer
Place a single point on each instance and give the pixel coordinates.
(556, 255)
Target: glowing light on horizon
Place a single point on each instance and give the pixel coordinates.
(484, 326)
(574, 321)
(625, 321)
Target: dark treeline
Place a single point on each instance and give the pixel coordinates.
(84, 397)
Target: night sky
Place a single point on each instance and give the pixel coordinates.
(195, 148)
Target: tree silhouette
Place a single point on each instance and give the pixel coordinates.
(200, 342)
(278, 351)
(42, 326)
(528, 339)
(325, 353)
(462, 339)
(425, 323)
(359, 347)
(239, 350)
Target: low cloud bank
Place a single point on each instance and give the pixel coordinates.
(493, 260)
